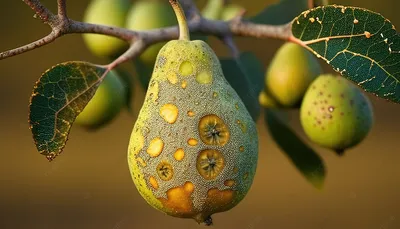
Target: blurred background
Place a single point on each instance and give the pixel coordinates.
(89, 185)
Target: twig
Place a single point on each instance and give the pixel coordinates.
(232, 46)
(62, 9)
(40, 10)
(310, 4)
(140, 40)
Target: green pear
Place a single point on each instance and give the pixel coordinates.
(212, 10)
(194, 147)
(335, 113)
(231, 11)
(106, 103)
(146, 15)
(290, 73)
(106, 12)
(266, 100)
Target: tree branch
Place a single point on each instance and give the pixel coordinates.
(36, 44)
(140, 40)
(40, 10)
(62, 9)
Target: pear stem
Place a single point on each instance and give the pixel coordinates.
(180, 15)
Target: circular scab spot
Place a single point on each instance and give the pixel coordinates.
(172, 78)
(184, 84)
(229, 183)
(141, 161)
(190, 113)
(169, 112)
(179, 154)
(213, 130)
(235, 170)
(210, 163)
(215, 94)
(204, 78)
(192, 142)
(155, 148)
(186, 68)
(241, 148)
(165, 171)
(153, 182)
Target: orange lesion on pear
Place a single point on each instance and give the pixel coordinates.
(169, 112)
(179, 201)
(216, 201)
(155, 147)
(153, 182)
(192, 142)
(179, 154)
(229, 183)
(141, 162)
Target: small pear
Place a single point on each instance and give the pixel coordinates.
(194, 147)
(212, 10)
(266, 100)
(106, 103)
(106, 12)
(231, 11)
(290, 73)
(335, 113)
(146, 15)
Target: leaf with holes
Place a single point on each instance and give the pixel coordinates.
(280, 13)
(302, 156)
(361, 45)
(58, 97)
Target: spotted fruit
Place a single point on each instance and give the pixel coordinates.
(335, 113)
(194, 147)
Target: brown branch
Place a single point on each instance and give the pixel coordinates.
(140, 40)
(62, 9)
(230, 43)
(40, 10)
(36, 44)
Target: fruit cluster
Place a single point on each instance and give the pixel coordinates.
(334, 113)
(194, 147)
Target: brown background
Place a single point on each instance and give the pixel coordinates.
(89, 186)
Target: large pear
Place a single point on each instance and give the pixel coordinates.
(194, 147)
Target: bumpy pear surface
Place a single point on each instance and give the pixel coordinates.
(290, 73)
(106, 12)
(194, 147)
(150, 14)
(106, 103)
(335, 113)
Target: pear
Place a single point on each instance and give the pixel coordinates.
(266, 100)
(335, 113)
(290, 73)
(231, 11)
(212, 10)
(106, 12)
(193, 150)
(106, 103)
(146, 15)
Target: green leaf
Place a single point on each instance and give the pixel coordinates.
(242, 76)
(58, 97)
(309, 164)
(280, 13)
(360, 44)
